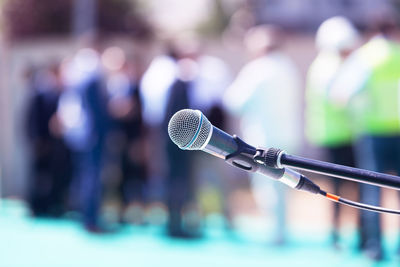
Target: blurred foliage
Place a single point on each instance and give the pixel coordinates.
(36, 18)
(218, 21)
(122, 16)
(1, 15)
(31, 18)
(396, 10)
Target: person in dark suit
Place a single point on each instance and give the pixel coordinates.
(89, 162)
(133, 158)
(50, 157)
(128, 128)
(178, 183)
(85, 122)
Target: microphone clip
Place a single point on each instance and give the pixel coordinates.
(243, 156)
(270, 157)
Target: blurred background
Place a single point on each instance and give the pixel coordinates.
(89, 176)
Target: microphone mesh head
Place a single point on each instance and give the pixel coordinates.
(189, 129)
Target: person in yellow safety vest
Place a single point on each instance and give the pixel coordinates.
(368, 84)
(328, 127)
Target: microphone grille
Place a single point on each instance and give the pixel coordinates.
(189, 129)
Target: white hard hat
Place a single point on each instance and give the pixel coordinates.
(337, 33)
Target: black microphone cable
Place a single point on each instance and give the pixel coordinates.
(272, 156)
(355, 204)
(305, 184)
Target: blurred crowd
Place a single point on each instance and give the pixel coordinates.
(97, 124)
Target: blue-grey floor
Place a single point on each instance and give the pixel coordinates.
(29, 242)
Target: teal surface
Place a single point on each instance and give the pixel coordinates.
(29, 242)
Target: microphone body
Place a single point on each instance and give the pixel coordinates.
(220, 144)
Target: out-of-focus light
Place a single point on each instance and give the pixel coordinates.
(155, 87)
(257, 41)
(188, 69)
(156, 214)
(113, 58)
(337, 33)
(64, 68)
(70, 111)
(118, 85)
(177, 15)
(86, 60)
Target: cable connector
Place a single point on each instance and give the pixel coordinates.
(307, 185)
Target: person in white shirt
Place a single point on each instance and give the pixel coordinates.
(266, 96)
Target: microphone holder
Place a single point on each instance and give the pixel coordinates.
(276, 158)
(243, 158)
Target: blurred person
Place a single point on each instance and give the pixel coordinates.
(184, 78)
(209, 79)
(239, 23)
(155, 83)
(210, 74)
(128, 131)
(266, 96)
(368, 83)
(327, 126)
(84, 117)
(164, 70)
(49, 185)
(179, 181)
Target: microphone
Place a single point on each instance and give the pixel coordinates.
(191, 130)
